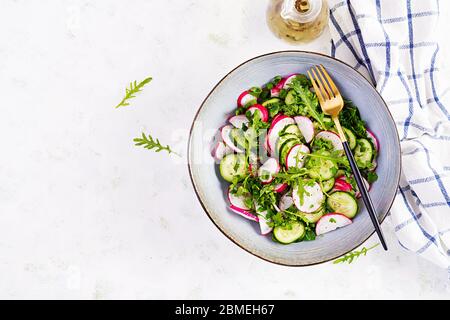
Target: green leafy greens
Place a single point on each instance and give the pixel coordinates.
(132, 90)
(351, 119)
(349, 257)
(150, 143)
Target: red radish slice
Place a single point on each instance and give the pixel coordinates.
(220, 150)
(268, 170)
(225, 132)
(306, 127)
(295, 158)
(238, 121)
(263, 222)
(277, 126)
(330, 222)
(367, 184)
(263, 113)
(341, 185)
(313, 198)
(245, 98)
(288, 80)
(275, 91)
(244, 213)
(286, 202)
(374, 140)
(237, 201)
(281, 187)
(332, 137)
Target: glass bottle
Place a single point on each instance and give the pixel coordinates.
(297, 21)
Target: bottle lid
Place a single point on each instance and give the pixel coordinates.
(302, 11)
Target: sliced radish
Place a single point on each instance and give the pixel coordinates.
(244, 213)
(237, 201)
(306, 127)
(286, 202)
(313, 198)
(225, 132)
(263, 113)
(281, 187)
(295, 158)
(374, 139)
(263, 221)
(238, 121)
(367, 184)
(245, 98)
(341, 185)
(278, 124)
(332, 137)
(275, 91)
(330, 222)
(268, 170)
(220, 150)
(288, 80)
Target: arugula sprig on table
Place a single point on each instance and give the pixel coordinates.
(130, 92)
(148, 142)
(349, 257)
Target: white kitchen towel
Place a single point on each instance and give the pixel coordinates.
(391, 42)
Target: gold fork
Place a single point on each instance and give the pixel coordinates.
(332, 103)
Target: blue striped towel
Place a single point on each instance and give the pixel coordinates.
(391, 43)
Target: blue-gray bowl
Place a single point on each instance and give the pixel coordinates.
(210, 188)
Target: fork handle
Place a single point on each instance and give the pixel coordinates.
(364, 193)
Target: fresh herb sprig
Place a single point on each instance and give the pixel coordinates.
(349, 257)
(131, 91)
(148, 142)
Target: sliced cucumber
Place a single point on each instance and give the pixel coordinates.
(327, 185)
(344, 203)
(284, 149)
(286, 235)
(271, 102)
(284, 139)
(363, 153)
(320, 168)
(314, 216)
(237, 136)
(291, 129)
(290, 98)
(232, 166)
(351, 138)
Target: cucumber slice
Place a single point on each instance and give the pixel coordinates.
(233, 165)
(327, 185)
(319, 168)
(291, 129)
(237, 136)
(363, 153)
(351, 138)
(284, 139)
(344, 203)
(271, 102)
(284, 149)
(314, 216)
(290, 98)
(286, 235)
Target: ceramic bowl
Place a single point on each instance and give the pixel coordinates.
(210, 188)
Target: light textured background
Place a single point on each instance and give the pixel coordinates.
(85, 214)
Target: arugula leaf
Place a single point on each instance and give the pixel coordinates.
(349, 257)
(372, 177)
(350, 118)
(132, 90)
(151, 143)
(307, 100)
